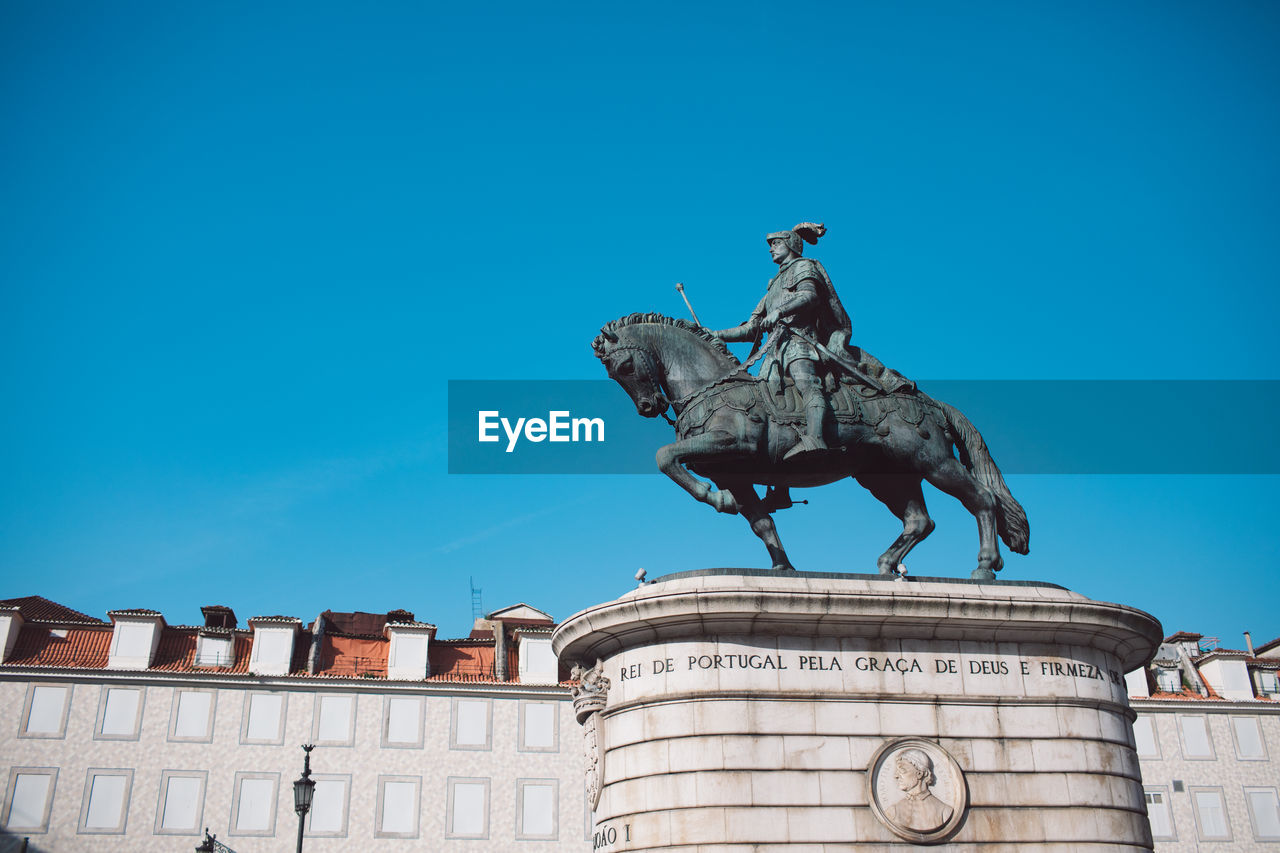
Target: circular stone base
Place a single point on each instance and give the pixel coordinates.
(754, 711)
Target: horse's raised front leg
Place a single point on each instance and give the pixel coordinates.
(716, 446)
(754, 511)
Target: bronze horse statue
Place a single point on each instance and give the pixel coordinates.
(733, 429)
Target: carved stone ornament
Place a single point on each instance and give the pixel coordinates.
(589, 698)
(917, 790)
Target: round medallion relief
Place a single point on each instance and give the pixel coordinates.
(917, 789)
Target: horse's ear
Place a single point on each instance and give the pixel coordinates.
(609, 336)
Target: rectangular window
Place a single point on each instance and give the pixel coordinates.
(1169, 680)
(192, 716)
(467, 809)
(1195, 738)
(471, 729)
(538, 663)
(334, 719)
(328, 815)
(1264, 813)
(1158, 814)
(263, 718)
(403, 722)
(273, 646)
(538, 729)
(536, 809)
(106, 802)
(1268, 683)
(120, 714)
(1144, 737)
(213, 651)
(45, 713)
(29, 798)
(133, 640)
(1211, 814)
(1248, 738)
(398, 806)
(181, 802)
(253, 804)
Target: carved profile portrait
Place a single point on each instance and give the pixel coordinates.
(917, 789)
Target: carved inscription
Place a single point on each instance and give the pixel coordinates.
(840, 662)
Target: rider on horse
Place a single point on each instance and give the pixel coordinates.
(808, 335)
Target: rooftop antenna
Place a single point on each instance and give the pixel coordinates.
(477, 606)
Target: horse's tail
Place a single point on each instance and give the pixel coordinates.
(1011, 520)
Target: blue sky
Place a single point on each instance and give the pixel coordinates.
(245, 246)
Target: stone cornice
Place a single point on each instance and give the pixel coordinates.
(303, 684)
(766, 603)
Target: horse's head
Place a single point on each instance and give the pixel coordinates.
(631, 363)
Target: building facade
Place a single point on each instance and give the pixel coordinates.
(1208, 742)
(132, 734)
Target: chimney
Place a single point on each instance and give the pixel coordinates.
(1248, 643)
(273, 639)
(135, 636)
(218, 616)
(10, 624)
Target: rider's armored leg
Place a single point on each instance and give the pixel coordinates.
(814, 403)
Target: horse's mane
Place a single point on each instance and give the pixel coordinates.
(610, 329)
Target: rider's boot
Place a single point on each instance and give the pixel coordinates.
(815, 412)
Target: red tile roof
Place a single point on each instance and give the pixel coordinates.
(81, 647)
(39, 609)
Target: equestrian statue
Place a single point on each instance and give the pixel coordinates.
(819, 410)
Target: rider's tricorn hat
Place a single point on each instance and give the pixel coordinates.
(807, 231)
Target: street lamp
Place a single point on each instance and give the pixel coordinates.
(304, 789)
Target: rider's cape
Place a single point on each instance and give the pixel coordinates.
(833, 327)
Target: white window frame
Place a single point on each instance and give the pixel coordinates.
(165, 776)
(453, 724)
(67, 697)
(1263, 679)
(1208, 736)
(1253, 820)
(207, 737)
(1174, 676)
(99, 734)
(240, 778)
(1235, 739)
(1150, 721)
(522, 745)
(345, 779)
(14, 773)
(1163, 793)
(554, 784)
(278, 739)
(204, 659)
(349, 740)
(387, 743)
(1195, 811)
(416, 781)
(451, 783)
(91, 775)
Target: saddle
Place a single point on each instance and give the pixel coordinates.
(851, 402)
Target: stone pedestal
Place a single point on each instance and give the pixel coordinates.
(754, 711)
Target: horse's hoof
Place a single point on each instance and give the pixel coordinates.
(981, 574)
(783, 567)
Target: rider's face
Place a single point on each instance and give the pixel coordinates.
(778, 250)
